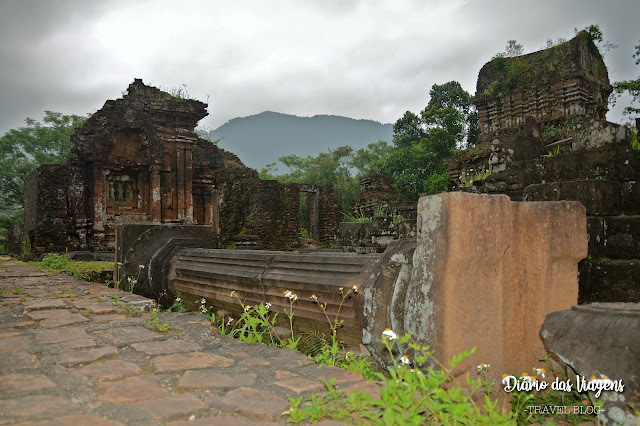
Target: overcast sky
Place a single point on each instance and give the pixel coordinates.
(362, 59)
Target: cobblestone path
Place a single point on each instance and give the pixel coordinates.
(70, 356)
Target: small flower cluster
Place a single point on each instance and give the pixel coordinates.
(389, 334)
(482, 367)
(602, 379)
(267, 305)
(354, 289)
(292, 296)
(525, 377)
(203, 308)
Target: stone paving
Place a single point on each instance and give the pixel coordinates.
(70, 356)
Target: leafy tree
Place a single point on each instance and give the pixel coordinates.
(407, 129)
(416, 162)
(331, 168)
(632, 87)
(24, 149)
(365, 159)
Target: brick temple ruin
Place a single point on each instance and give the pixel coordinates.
(139, 160)
(544, 138)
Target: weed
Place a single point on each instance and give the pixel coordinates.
(60, 263)
(409, 396)
(133, 281)
(553, 152)
(156, 322)
(178, 305)
(359, 217)
(256, 324)
(304, 233)
(481, 175)
(86, 311)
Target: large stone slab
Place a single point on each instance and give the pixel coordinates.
(601, 338)
(486, 271)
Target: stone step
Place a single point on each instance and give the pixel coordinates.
(614, 237)
(616, 280)
(600, 197)
(619, 163)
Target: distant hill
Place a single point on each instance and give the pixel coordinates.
(260, 139)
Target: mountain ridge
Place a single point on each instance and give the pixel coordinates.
(260, 139)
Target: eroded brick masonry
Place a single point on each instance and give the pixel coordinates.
(139, 160)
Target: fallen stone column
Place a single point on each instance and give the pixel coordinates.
(601, 339)
(260, 276)
(485, 273)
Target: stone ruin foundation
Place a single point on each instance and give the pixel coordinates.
(139, 160)
(482, 272)
(544, 138)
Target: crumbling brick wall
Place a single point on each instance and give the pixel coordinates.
(47, 223)
(139, 160)
(376, 195)
(569, 79)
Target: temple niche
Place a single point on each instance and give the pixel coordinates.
(139, 160)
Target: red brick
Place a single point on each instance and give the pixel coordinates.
(164, 408)
(36, 407)
(85, 357)
(212, 380)
(15, 361)
(326, 372)
(62, 321)
(124, 336)
(250, 362)
(178, 362)
(77, 420)
(17, 383)
(166, 347)
(12, 344)
(253, 403)
(299, 385)
(109, 370)
(57, 336)
(130, 390)
(34, 305)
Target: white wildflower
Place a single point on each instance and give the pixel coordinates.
(389, 334)
(268, 306)
(202, 301)
(405, 359)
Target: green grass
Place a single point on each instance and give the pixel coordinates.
(60, 263)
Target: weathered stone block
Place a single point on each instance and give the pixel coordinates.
(616, 237)
(139, 244)
(486, 271)
(601, 338)
(600, 197)
(609, 280)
